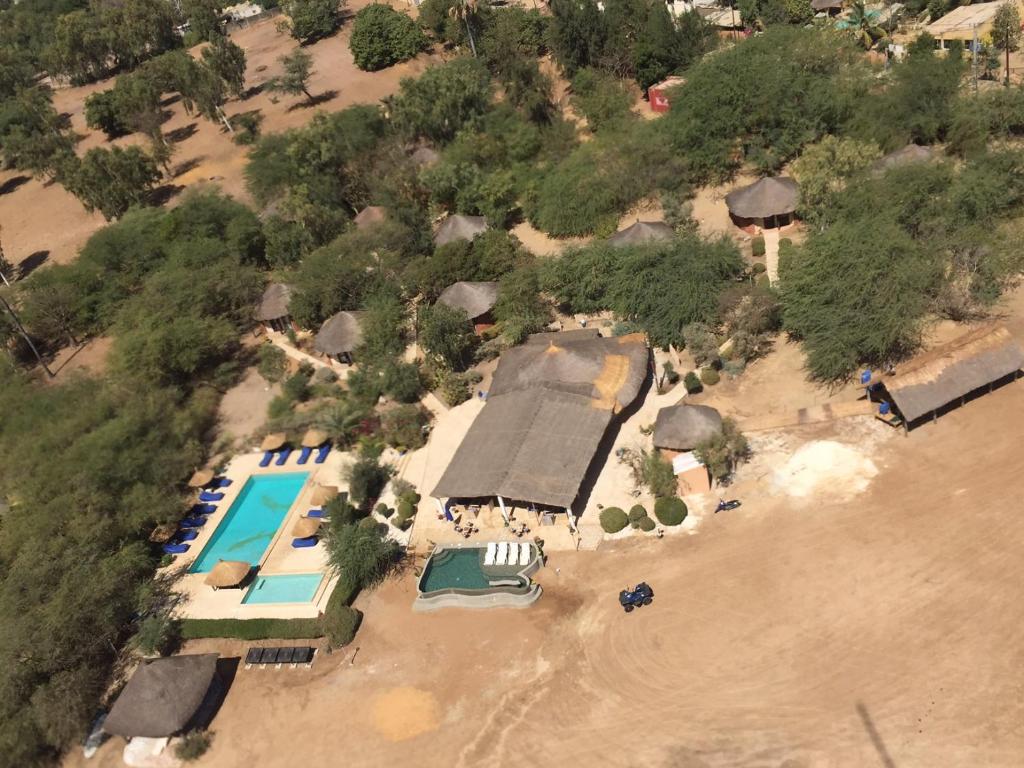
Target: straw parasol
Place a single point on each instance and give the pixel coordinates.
(314, 438)
(201, 478)
(305, 527)
(323, 493)
(163, 533)
(228, 573)
(273, 441)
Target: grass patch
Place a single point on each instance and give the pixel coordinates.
(252, 629)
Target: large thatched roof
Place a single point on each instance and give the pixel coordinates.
(682, 427)
(474, 299)
(459, 227)
(908, 155)
(772, 196)
(274, 303)
(953, 370)
(548, 408)
(340, 333)
(162, 696)
(370, 215)
(641, 233)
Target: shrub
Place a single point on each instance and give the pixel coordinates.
(671, 375)
(381, 36)
(401, 382)
(757, 246)
(645, 524)
(403, 427)
(456, 389)
(156, 635)
(637, 512)
(613, 519)
(722, 452)
(296, 388)
(709, 376)
(192, 745)
(759, 268)
(340, 622)
(658, 474)
(366, 479)
(601, 97)
(383, 510)
(248, 128)
(272, 363)
(251, 629)
(402, 523)
(670, 510)
(405, 509)
(692, 383)
(701, 343)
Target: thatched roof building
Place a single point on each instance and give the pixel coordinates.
(765, 198)
(908, 155)
(827, 5)
(340, 334)
(683, 427)
(548, 409)
(370, 215)
(163, 696)
(459, 227)
(641, 233)
(274, 304)
(475, 299)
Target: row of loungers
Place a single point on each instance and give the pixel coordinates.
(507, 553)
(188, 528)
(284, 453)
(278, 657)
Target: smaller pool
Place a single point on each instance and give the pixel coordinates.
(455, 569)
(286, 588)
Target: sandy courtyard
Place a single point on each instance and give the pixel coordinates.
(882, 627)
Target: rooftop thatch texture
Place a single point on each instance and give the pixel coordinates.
(274, 303)
(475, 299)
(908, 155)
(162, 696)
(683, 427)
(575, 334)
(370, 215)
(459, 227)
(953, 370)
(339, 334)
(641, 233)
(772, 196)
(548, 408)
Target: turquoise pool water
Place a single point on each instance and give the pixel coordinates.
(286, 588)
(456, 569)
(251, 522)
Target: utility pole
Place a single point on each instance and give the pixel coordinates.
(25, 336)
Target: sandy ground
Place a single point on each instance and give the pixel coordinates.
(876, 627)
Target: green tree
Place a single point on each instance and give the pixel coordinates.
(443, 100)
(446, 334)
(112, 180)
(33, 137)
(519, 307)
(203, 18)
(383, 327)
(465, 11)
(1006, 33)
(824, 168)
(366, 479)
(657, 474)
(312, 20)
(861, 22)
(722, 452)
(227, 61)
(359, 554)
(298, 67)
(381, 36)
(103, 112)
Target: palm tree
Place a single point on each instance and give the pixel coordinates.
(464, 10)
(862, 23)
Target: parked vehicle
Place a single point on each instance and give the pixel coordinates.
(639, 596)
(724, 505)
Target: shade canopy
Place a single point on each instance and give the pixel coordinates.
(773, 196)
(273, 441)
(314, 438)
(228, 573)
(475, 299)
(163, 533)
(683, 427)
(305, 527)
(201, 478)
(459, 227)
(323, 494)
(162, 696)
(641, 233)
(339, 334)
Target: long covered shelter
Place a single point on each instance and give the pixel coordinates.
(550, 404)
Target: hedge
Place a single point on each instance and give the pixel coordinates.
(670, 510)
(613, 519)
(340, 621)
(645, 524)
(757, 246)
(252, 629)
(637, 512)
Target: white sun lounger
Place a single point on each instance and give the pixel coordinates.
(492, 551)
(513, 554)
(502, 553)
(524, 554)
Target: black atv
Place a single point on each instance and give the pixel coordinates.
(639, 596)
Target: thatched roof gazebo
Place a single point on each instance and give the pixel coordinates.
(228, 573)
(768, 202)
(370, 215)
(200, 478)
(339, 336)
(459, 227)
(683, 427)
(475, 299)
(323, 494)
(163, 696)
(273, 441)
(314, 438)
(642, 233)
(305, 527)
(272, 310)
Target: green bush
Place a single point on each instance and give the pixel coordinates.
(411, 496)
(670, 510)
(645, 524)
(192, 745)
(156, 635)
(402, 523)
(251, 629)
(383, 510)
(613, 519)
(637, 512)
(692, 383)
(405, 510)
(381, 36)
(272, 363)
(403, 427)
(709, 376)
(759, 268)
(757, 246)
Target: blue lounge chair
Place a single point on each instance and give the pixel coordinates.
(321, 456)
(309, 541)
(207, 496)
(304, 454)
(219, 482)
(282, 457)
(267, 458)
(175, 549)
(316, 513)
(202, 509)
(192, 522)
(186, 535)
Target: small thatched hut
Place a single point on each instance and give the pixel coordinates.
(273, 308)
(339, 336)
(369, 216)
(641, 233)
(459, 227)
(682, 427)
(765, 204)
(475, 299)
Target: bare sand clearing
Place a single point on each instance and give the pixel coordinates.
(404, 713)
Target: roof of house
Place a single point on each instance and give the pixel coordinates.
(459, 227)
(370, 215)
(162, 696)
(908, 155)
(725, 18)
(640, 233)
(822, 5)
(274, 303)
(964, 19)
(575, 334)
(547, 411)
(340, 333)
(770, 196)
(475, 299)
(953, 370)
(682, 427)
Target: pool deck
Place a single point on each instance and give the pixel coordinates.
(203, 602)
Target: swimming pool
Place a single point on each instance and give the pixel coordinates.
(285, 588)
(455, 569)
(253, 519)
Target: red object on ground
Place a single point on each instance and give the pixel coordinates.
(657, 94)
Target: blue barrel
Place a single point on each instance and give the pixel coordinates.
(865, 376)
(884, 407)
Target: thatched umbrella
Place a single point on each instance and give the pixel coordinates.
(201, 478)
(323, 493)
(228, 573)
(641, 233)
(273, 441)
(305, 527)
(773, 196)
(314, 438)
(163, 533)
